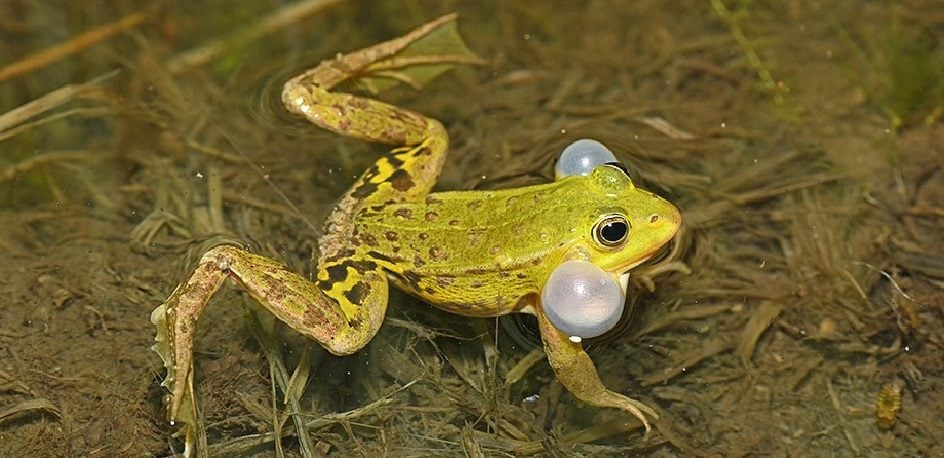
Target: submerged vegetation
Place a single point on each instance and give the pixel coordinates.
(900, 67)
(132, 139)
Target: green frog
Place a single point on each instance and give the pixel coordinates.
(472, 253)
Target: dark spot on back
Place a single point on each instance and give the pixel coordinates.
(418, 261)
(437, 253)
(369, 239)
(364, 189)
(395, 161)
(358, 293)
(401, 180)
(337, 273)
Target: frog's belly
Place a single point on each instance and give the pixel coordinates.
(469, 296)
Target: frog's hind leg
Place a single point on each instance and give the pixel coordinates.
(290, 297)
(407, 172)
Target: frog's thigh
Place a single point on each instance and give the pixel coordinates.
(576, 372)
(290, 297)
(303, 306)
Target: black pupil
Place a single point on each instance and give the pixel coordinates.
(613, 231)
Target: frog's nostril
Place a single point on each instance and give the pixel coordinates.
(653, 219)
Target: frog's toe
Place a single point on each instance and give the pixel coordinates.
(164, 347)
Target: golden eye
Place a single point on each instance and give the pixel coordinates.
(611, 231)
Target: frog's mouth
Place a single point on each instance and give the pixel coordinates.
(652, 257)
(623, 277)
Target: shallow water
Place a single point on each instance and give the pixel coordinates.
(801, 141)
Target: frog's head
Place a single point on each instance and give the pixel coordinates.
(623, 225)
(620, 225)
(616, 226)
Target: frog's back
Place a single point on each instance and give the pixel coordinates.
(486, 253)
(477, 253)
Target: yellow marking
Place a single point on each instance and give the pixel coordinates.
(384, 171)
(338, 289)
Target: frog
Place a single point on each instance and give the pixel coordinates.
(474, 253)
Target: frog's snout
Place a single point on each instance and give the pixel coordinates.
(672, 217)
(666, 217)
(662, 224)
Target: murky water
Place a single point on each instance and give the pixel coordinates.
(801, 141)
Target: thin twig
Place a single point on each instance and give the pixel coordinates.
(27, 165)
(85, 91)
(74, 45)
(274, 22)
(25, 407)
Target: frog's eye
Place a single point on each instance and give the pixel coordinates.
(582, 300)
(620, 166)
(581, 157)
(611, 231)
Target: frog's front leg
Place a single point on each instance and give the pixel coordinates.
(340, 326)
(576, 372)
